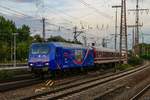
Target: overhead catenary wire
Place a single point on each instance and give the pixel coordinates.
(68, 15)
(5, 12)
(95, 9)
(29, 16)
(15, 11)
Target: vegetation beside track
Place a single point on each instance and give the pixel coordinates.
(9, 74)
(124, 67)
(133, 61)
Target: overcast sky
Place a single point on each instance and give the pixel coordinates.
(96, 14)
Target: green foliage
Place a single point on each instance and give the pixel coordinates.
(135, 60)
(8, 74)
(56, 39)
(61, 39)
(146, 56)
(4, 74)
(37, 38)
(24, 33)
(23, 40)
(124, 67)
(22, 51)
(145, 51)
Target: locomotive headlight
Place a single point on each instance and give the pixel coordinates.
(47, 64)
(31, 64)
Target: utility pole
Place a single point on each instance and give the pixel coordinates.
(104, 44)
(137, 10)
(85, 40)
(116, 22)
(75, 33)
(123, 32)
(43, 33)
(14, 64)
(12, 49)
(134, 36)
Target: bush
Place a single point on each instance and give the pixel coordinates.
(123, 67)
(135, 61)
(6, 74)
(147, 57)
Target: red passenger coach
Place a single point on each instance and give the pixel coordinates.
(105, 55)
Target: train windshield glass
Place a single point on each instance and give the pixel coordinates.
(40, 49)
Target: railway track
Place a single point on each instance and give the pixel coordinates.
(78, 86)
(25, 80)
(7, 86)
(17, 78)
(144, 94)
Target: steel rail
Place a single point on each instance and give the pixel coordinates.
(139, 94)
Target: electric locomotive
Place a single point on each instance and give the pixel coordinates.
(54, 56)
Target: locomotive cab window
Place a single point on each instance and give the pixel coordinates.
(40, 49)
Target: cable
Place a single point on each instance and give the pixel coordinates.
(76, 18)
(20, 13)
(62, 17)
(8, 12)
(95, 9)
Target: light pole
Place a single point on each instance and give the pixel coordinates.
(15, 49)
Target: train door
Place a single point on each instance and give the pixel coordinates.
(67, 57)
(58, 58)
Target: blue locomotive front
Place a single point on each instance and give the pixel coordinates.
(58, 56)
(39, 56)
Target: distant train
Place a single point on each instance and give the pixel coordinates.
(48, 57)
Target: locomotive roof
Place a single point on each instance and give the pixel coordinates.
(105, 49)
(70, 45)
(67, 45)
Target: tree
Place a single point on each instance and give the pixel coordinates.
(24, 33)
(37, 38)
(7, 29)
(56, 39)
(61, 39)
(22, 51)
